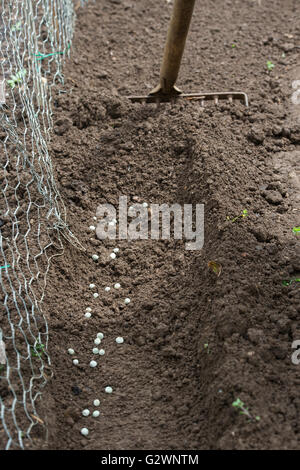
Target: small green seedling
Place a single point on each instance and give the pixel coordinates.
(16, 79)
(296, 229)
(17, 26)
(233, 46)
(243, 214)
(288, 282)
(270, 65)
(38, 350)
(239, 405)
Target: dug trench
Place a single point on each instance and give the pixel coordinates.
(194, 341)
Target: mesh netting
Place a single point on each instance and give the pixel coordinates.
(35, 39)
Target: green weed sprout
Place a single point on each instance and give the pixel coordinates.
(239, 405)
(270, 65)
(243, 214)
(296, 229)
(17, 26)
(290, 281)
(38, 350)
(16, 79)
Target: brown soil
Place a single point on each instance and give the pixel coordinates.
(171, 390)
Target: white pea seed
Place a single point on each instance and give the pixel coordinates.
(97, 341)
(96, 402)
(112, 223)
(117, 286)
(100, 335)
(85, 412)
(113, 255)
(92, 227)
(75, 362)
(108, 390)
(127, 301)
(94, 218)
(95, 257)
(88, 309)
(116, 250)
(71, 351)
(95, 351)
(92, 286)
(119, 340)
(96, 295)
(84, 431)
(93, 363)
(96, 413)
(107, 289)
(101, 352)
(145, 204)
(87, 314)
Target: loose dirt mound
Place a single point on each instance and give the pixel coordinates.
(194, 342)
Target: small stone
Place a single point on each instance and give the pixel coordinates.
(273, 197)
(84, 431)
(256, 135)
